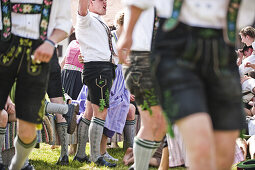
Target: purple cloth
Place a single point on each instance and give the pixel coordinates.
(119, 103)
(81, 100)
(108, 133)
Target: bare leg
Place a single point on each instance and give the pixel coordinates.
(103, 144)
(197, 133)
(164, 163)
(225, 148)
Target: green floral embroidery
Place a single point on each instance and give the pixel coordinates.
(45, 16)
(6, 59)
(25, 8)
(6, 19)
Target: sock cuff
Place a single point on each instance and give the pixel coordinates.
(62, 124)
(130, 122)
(98, 121)
(145, 143)
(86, 121)
(2, 130)
(29, 145)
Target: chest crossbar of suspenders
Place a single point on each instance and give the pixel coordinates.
(25, 8)
(229, 32)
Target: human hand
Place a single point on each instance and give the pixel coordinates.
(10, 107)
(43, 53)
(123, 47)
(80, 58)
(132, 97)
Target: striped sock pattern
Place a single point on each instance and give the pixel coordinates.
(83, 137)
(98, 121)
(2, 134)
(143, 151)
(95, 135)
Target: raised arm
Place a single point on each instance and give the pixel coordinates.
(83, 7)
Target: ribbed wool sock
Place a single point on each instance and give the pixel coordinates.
(2, 134)
(95, 135)
(129, 134)
(22, 152)
(143, 151)
(83, 137)
(63, 137)
(56, 108)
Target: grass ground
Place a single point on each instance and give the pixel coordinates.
(45, 159)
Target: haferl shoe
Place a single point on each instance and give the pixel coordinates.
(2, 167)
(102, 162)
(70, 116)
(63, 161)
(81, 160)
(28, 167)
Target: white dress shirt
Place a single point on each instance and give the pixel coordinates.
(201, 13)
(27, 25)
(142, 34)
(92, 38)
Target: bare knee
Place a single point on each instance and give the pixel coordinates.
(3, 118)
(26, 131)
(131, 112)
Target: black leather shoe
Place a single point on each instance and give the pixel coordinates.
(63, 161)
(70, 116)
(81, 160)
(28, 167)
(2, 167)
(102, 162)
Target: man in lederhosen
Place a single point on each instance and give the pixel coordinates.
(29, 31)
(95, 40)
(197, 75)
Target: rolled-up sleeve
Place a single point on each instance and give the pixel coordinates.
(63, 16)
(83, 21)
(143, 4)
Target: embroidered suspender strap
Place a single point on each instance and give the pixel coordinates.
(6, 20)
(109, 38)
(232, 14)
(45, 17)
(26, 8)
(172, 22)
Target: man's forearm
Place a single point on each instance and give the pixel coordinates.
(83, 7)
(58, 35)
(135, 13)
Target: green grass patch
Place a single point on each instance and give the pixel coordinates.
(46, 158)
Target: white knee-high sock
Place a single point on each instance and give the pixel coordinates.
(143, 151)
(95, 135)
(83, 137)
(22, 151)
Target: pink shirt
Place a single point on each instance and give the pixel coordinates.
(72, 53)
